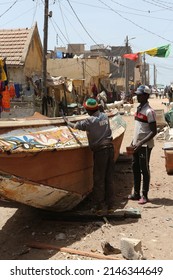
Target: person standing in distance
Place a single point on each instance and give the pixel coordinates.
(142, 144)
(99, 136)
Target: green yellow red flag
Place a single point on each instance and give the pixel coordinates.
(163, 51)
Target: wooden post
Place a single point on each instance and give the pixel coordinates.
(44, 94)
(39, 245)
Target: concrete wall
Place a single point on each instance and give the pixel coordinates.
(78, 68)
(16, 74)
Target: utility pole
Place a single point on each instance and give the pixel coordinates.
(126, 68)
(83, 74)
(148, 76)
(44, 70)
(126, 62)
(155, 76)
(144, 70)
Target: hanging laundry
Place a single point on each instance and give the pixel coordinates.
(12, 91)
(17, 90)
(5, 70)
(0, 103)
(94, 90)
(1, 86)
(3, 76)
(6, 100)
(59, 54)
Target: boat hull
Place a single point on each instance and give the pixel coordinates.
(37, 195)
(50, 178)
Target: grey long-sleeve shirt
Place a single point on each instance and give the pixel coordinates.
(97, 127)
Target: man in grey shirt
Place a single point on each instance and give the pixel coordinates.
(99, 135)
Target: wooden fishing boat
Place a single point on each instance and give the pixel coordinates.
(45, 164)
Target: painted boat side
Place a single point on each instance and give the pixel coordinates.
(63, 169)
(62, 175)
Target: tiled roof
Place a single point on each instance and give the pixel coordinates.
(13, 44)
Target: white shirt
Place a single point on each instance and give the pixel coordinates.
(143, 117)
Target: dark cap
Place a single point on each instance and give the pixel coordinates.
(143, 90)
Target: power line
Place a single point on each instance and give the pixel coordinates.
(21, 15)
(82, 24)
(130, 8)
(87, 32)
(77, 60)
(9, 8)
(165, 2)
(35, 11)
(157, 5)
(63, 20)
(135, 23)
(127, 12)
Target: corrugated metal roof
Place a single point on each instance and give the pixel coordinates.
(13, 43)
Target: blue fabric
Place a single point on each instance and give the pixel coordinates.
(59, 55)
(17, 90)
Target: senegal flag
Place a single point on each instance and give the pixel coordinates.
(163, 51)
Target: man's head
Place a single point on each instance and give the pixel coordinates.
(91, 105)
(143, 93)
(143, 89)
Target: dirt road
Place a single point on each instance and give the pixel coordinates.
(20, 225)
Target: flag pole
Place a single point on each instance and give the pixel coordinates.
(144, 70)
(126, 68)
(155, 75)
(44, 81)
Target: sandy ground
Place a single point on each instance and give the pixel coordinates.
(20, 225)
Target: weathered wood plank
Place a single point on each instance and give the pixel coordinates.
(39, 245)
(87, 216)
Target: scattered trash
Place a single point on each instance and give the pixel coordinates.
(60, 236)
(108, 249)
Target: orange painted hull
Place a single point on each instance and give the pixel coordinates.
(55, 177)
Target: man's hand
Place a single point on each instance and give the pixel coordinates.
(137, 146)
(68, 123)
(65, 120)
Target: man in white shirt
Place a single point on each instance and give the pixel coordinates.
(142, 143)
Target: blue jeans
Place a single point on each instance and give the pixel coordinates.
(140, 167)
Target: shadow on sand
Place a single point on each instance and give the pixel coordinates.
(26, 224)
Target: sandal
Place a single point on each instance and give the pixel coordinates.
(143, 200)
(98, 209)
(134, 197)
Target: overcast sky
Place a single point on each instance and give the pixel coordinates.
(147, 23)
